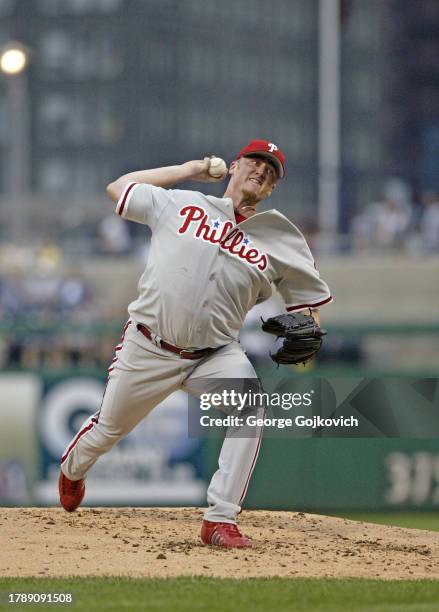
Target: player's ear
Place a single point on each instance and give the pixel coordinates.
(272, 189)
(233, 166)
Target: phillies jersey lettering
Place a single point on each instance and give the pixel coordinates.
(228, 237)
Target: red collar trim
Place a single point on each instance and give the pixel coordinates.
(239, 218)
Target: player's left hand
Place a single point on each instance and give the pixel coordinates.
(198, 170)
(302, 337)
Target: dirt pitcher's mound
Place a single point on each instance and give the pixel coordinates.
(165, 542)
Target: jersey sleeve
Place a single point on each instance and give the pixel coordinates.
(301, 286)
(142, 203)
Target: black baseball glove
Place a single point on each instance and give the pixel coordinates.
(303, 337)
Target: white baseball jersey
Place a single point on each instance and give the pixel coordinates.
(204, 272)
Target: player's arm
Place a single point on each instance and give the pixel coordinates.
(168, 176)
(313, 312)
(316, 314)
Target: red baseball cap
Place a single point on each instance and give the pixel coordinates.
(268, 150)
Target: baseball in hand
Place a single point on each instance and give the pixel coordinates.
(217, 167)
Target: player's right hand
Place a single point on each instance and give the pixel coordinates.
(197, 170)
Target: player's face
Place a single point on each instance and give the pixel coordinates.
(256, 176)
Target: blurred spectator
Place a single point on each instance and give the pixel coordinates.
(39, 290)
(429, 223)
(384, 225)
(363, 227)
(49, 255)
(392, 225)
(73, 292)
(113, 236)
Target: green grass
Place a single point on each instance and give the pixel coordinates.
(413, 520)
(267, 594)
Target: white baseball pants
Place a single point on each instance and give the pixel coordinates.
(140, 377)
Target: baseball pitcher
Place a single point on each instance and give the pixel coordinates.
(210, 261)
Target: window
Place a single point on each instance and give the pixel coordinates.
(79, 7)
(75, 119)
(7, 7)
(79, 54)
(64, 176)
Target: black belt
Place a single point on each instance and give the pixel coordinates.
(183, 353)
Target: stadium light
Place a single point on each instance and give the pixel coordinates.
(13, 59)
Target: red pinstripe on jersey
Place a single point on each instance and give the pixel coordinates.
(313, 305)
(119, 346)
(255, 456)
(124, 198)
(95, 417)
(78, 437)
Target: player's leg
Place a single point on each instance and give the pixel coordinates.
(241, 445)
(141, 376)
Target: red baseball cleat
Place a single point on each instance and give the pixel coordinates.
(71, 492)
(223, 534)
